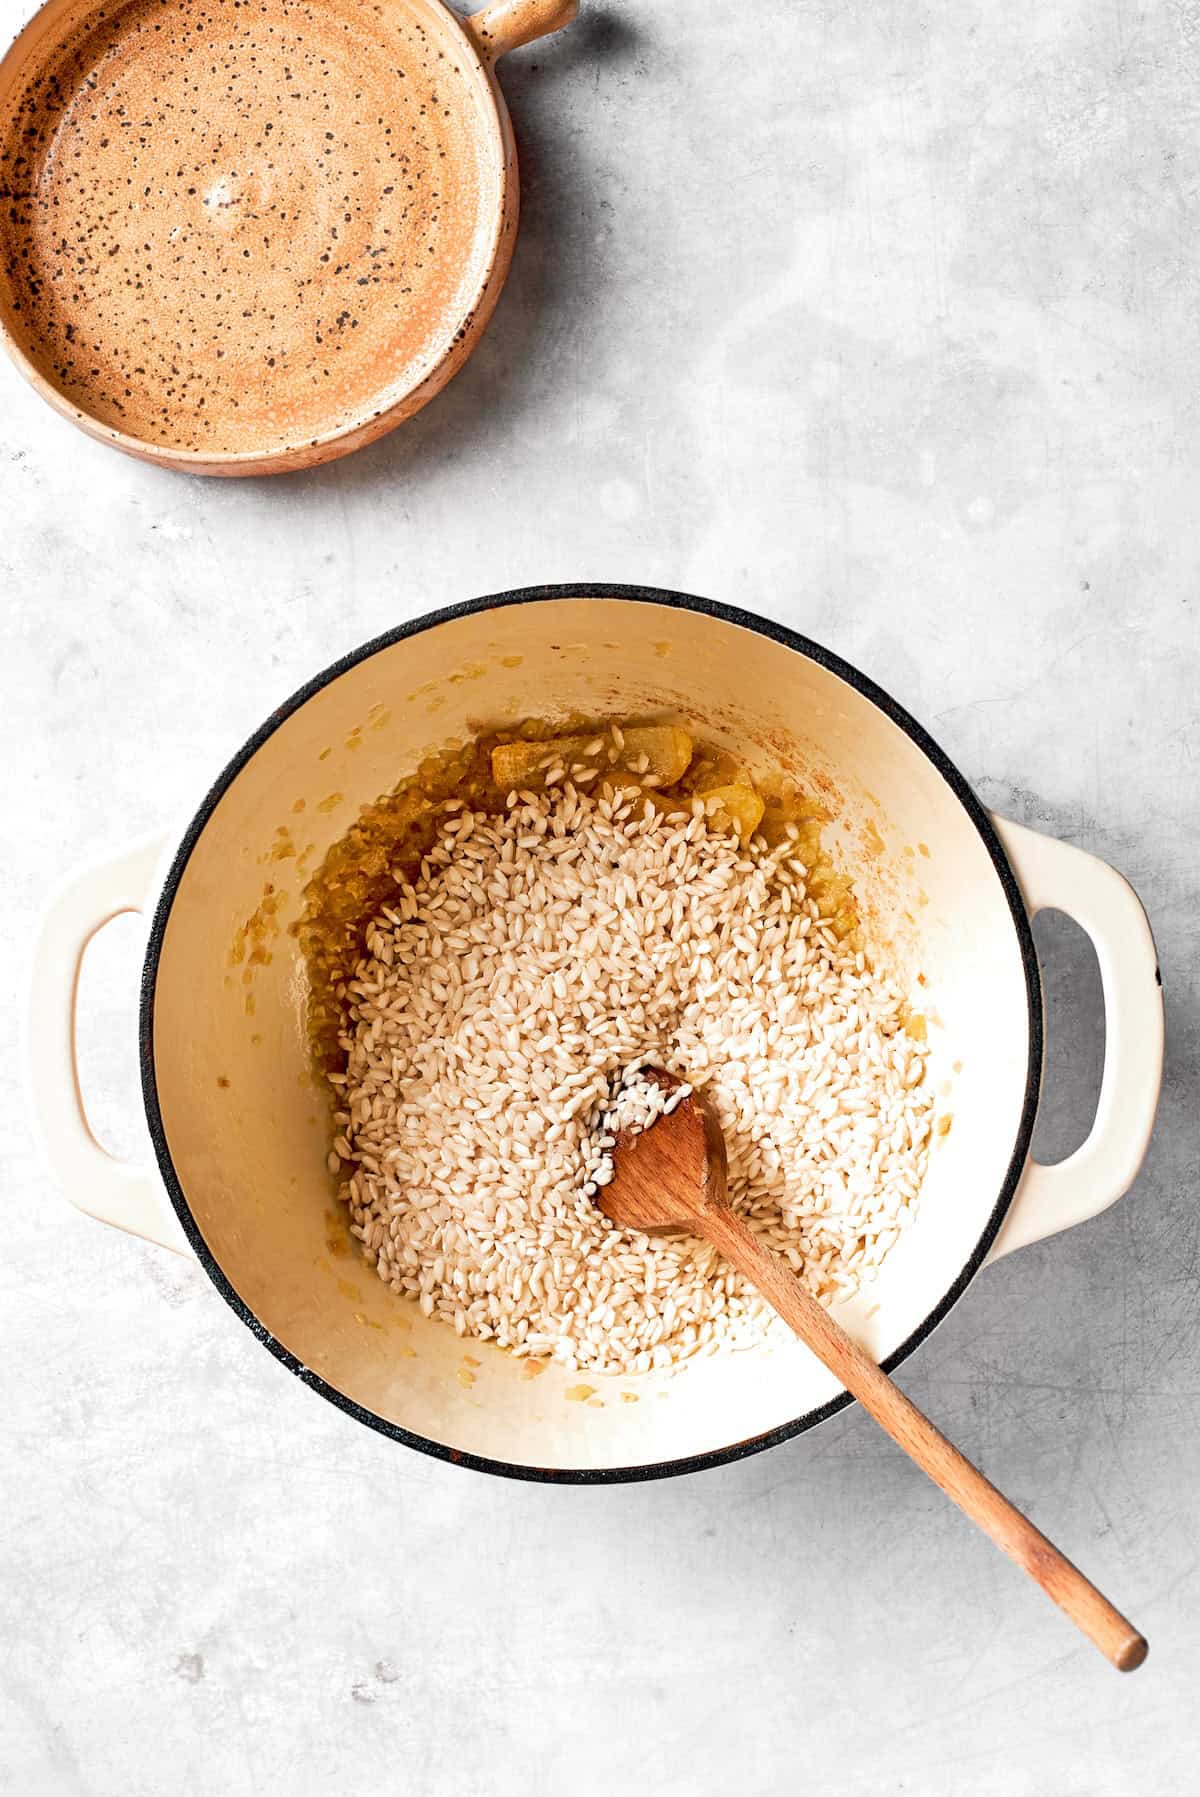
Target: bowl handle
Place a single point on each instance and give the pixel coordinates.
(1051, 873)
(507, 24)
(111, 1190)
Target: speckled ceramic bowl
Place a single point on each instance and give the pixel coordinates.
(240, 1130)
(238, 240)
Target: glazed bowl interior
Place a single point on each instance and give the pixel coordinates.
(242, 1127)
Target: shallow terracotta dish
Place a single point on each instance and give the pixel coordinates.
(240, 1130)
(240, 239)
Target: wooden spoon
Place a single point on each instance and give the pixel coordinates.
(673, 1176)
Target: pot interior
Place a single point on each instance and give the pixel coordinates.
(245, 1125)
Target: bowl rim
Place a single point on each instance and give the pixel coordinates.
(728, 614)
(360, 432)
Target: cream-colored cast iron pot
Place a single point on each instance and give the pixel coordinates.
(239, 1129)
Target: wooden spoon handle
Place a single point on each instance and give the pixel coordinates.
(963, 1483)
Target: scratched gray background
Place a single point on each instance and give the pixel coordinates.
(881, 320)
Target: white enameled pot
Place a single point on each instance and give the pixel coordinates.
(239, 1128)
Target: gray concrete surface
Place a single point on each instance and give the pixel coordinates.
(883, 321)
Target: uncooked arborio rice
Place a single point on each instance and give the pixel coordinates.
(635, 1103)
(501, 1000)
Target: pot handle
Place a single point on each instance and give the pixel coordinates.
(507, 24)
(111, 1190)
(1054, 874)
